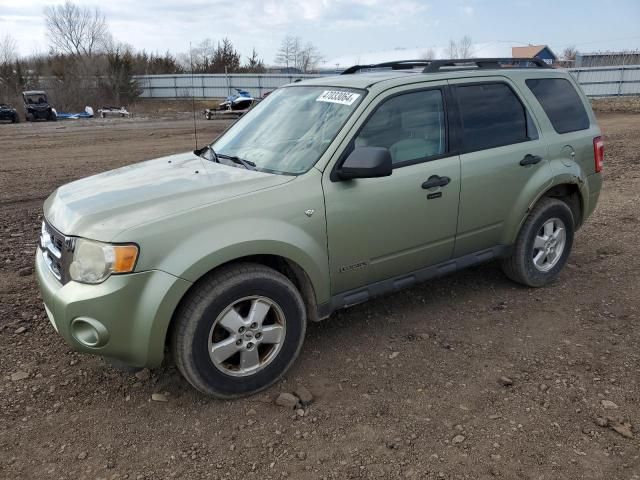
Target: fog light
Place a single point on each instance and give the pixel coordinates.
(89, 332)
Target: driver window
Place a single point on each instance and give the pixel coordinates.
(411, 126)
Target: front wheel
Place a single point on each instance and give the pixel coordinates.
(543, 244)
(238, 331)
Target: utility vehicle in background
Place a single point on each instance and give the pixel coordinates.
(37, 107)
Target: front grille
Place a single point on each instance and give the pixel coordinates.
(57, 251)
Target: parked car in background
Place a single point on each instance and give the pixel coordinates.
(37, 107)
(325, 194)
(8, 113)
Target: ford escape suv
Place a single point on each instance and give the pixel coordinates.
(327, 193)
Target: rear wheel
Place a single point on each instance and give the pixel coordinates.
(238, 331)
(543, 244)
(15, 119)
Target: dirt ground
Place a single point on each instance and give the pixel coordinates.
(406, 386)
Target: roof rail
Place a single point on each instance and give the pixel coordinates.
(435, 65)
(397, 65)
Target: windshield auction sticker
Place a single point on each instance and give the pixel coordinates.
(336, 96)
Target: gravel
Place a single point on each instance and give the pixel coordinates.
(456, 336)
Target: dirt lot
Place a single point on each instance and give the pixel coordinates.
(406, 386)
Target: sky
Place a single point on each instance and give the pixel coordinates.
(348, 31)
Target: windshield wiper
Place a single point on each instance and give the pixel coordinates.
(200, 152)
(217, 156)
(240, 161)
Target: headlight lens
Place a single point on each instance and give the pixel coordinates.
(93, 261)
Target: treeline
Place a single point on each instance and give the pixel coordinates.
(85, 65)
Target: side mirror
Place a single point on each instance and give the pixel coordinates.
(366, 162)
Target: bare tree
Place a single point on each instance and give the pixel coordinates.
(428, 54)
(461, 49)
(75, 30)
(288, 52)
(202, 56)
(308, 58)
(569, 54)
(8, 50)
(293, 55)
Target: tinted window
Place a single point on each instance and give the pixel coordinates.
(561, 103)
(411, 126)
(491, 115)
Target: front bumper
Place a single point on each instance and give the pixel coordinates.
(125, 318)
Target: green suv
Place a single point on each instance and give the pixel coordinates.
(327, 193)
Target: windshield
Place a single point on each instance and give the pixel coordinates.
(36, 98)
(288, 131)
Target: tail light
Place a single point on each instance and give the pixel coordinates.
(598, 153)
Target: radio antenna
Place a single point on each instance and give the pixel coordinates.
(193, 97)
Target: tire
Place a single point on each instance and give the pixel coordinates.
(227, 297)
(551, 219)
(29, 117)
(15, 119)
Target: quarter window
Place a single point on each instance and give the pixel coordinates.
(561, 103)
(411, 126)
(492, 116)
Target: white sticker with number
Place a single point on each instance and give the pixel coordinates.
(337, 96)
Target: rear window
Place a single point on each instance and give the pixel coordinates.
(492, 116)
(561, 103)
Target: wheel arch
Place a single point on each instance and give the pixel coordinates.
(289, 268)
(567, 190)
(570, 194)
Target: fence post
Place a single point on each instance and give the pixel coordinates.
(175, 87)
(621, 81)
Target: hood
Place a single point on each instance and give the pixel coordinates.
(101, 206)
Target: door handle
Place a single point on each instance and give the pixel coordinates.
(436, 181)
(530, 160)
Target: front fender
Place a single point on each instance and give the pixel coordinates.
(269, 238)
(266, 222)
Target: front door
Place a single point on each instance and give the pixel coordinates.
(379, 228)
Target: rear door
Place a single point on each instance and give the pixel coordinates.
(501, 153)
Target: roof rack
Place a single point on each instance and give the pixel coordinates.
(398, 65)
(493, 63)
(433, 66)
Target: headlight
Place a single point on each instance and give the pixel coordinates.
(93, 262)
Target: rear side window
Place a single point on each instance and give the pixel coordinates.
(561, 103)
(492, 116)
